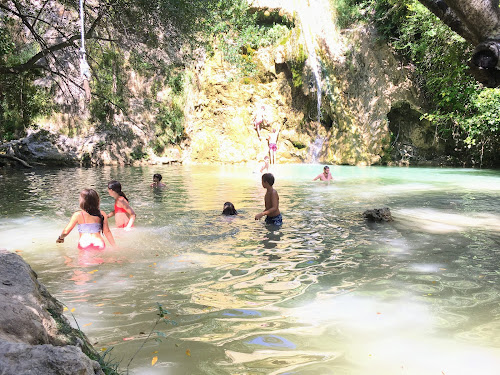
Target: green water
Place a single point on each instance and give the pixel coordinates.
(326, 294)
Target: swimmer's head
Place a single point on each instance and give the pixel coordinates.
(229, 209)
(116, 187)
(269, 178)
(89, 201)
(157, 177)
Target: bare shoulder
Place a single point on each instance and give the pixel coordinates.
(76, 216)
(122, 201)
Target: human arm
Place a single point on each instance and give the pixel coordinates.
(317, 177)
(106, 230)
(72, 222)
(123, 203)
(111, 214)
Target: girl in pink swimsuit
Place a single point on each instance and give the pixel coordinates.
(91, 222)
(123, 213)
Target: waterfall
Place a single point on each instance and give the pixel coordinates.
(307, 19)
(316, 148)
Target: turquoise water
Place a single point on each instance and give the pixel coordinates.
(328, 293)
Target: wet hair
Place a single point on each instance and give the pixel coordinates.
(326, 167)
(269, 178)
(89, 202)
(229, 209)
(158, 176)
(117, 188)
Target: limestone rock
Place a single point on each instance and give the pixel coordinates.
(31, 325)
(18, 358)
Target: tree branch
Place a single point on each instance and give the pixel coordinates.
(31, 64)
(39, 13)
(11, 157)
(37, 19)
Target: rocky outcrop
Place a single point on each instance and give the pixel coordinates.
(221, 126)
(44, 147)
(370, 108)
(378, 214)
(35, 337)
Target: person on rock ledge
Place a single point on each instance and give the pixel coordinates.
(272, 140)
(259, 119)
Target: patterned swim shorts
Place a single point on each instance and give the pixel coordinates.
(275, 220)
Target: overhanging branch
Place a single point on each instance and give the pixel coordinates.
(446, 14)
(31, 64)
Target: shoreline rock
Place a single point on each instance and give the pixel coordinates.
(35, 336)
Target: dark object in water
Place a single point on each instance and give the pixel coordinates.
(229, 209)
(378, 214)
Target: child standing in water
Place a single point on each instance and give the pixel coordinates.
(91, 222)
(123, 213)
(271, 201)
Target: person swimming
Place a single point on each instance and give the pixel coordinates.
(229, 209)
(124, 214)
(91, 222)
(157, 181)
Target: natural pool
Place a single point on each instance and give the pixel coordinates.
(328, 293)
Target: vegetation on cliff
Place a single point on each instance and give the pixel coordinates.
(39, 55)
(464, 112)
(142, 56)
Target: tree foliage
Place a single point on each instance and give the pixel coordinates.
(39, 49)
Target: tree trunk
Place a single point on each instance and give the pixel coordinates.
(22, 162)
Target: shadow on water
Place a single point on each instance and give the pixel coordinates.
(325, 293)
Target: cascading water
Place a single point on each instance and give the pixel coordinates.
(316, 22)
(306, 18)
(316, 148)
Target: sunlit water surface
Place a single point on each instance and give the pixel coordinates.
(328, 293)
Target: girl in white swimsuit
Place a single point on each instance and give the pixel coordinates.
(91, 222)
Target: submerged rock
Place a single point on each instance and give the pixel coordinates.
(378, 214)
(35, 337)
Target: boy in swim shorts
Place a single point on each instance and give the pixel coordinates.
(271, 201)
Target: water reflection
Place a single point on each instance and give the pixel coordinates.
(325, 293)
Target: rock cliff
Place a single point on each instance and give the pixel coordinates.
(336, 96)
